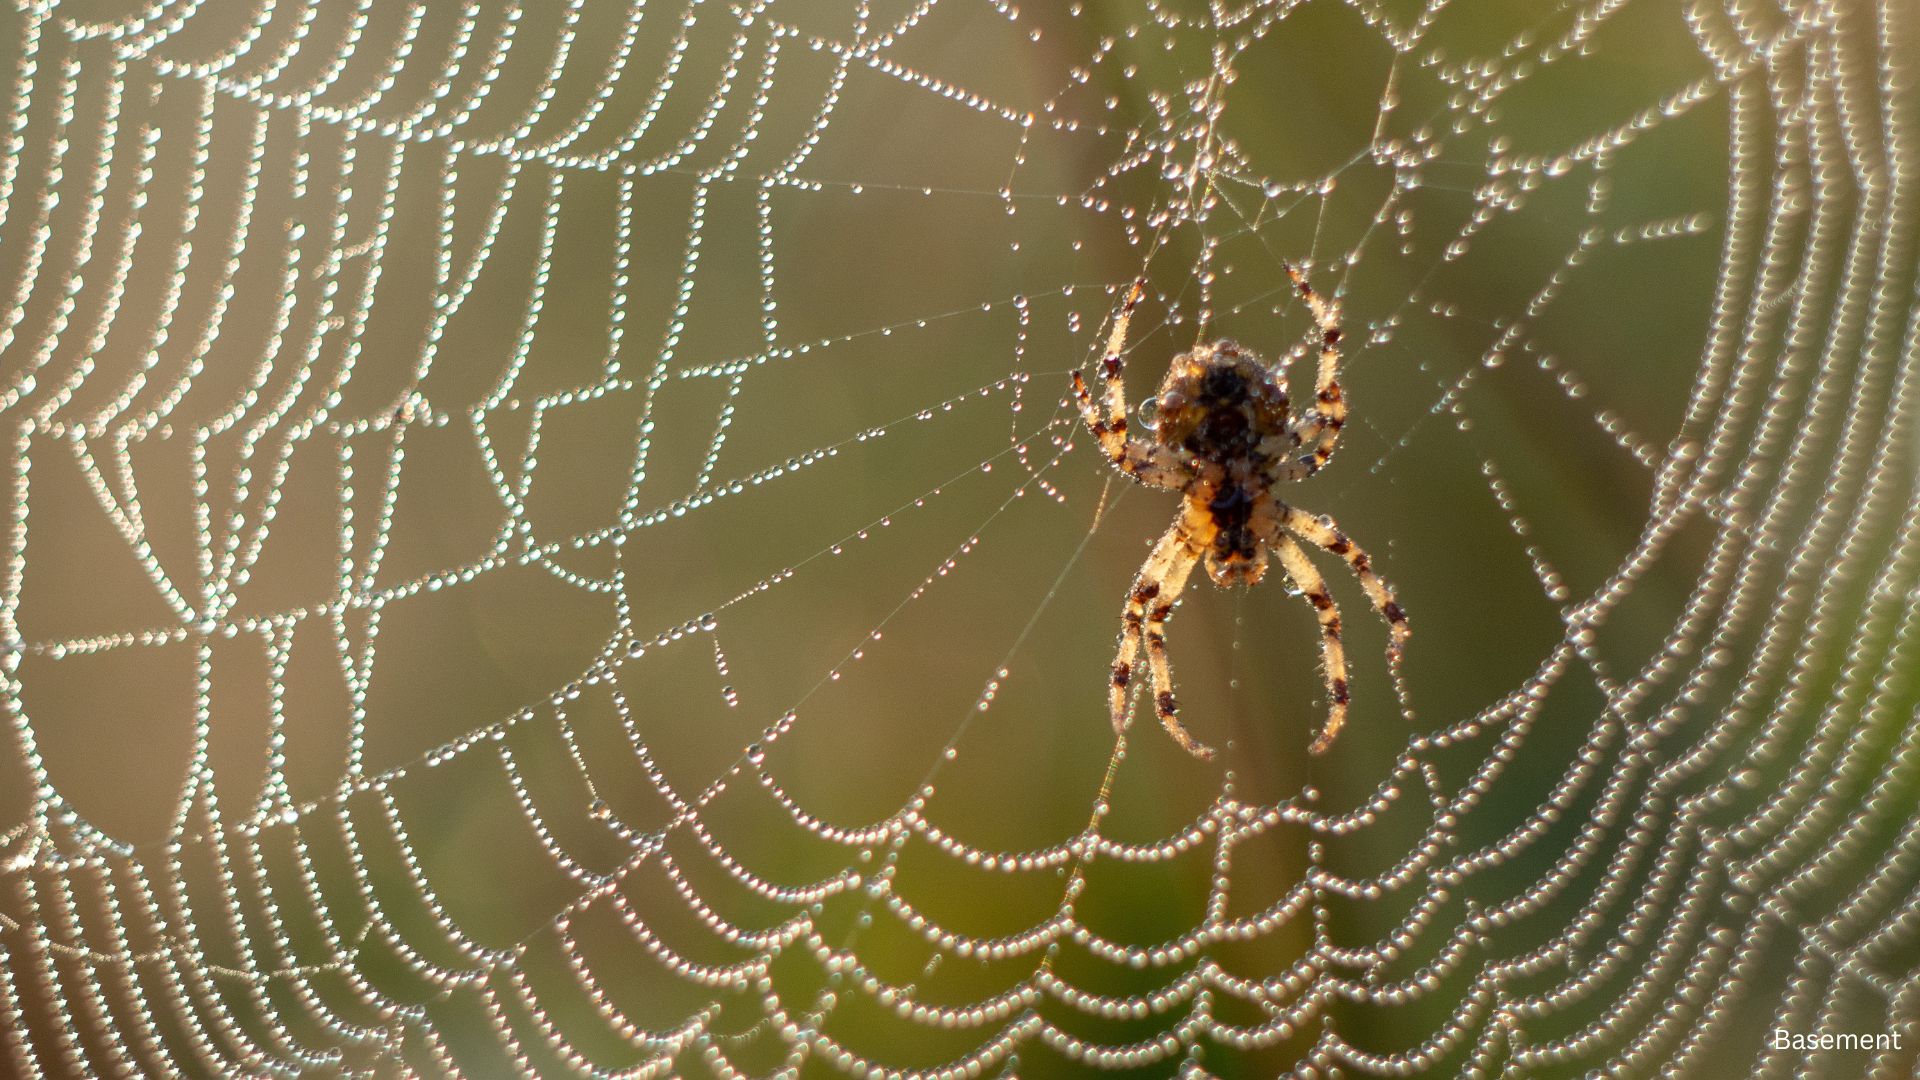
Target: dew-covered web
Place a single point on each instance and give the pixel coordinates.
(550, 538)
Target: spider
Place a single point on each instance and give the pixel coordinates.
(1223, 436)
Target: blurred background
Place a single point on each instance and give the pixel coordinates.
(552, 538)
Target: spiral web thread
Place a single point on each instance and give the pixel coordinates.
(202, 202)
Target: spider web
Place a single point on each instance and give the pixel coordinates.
(547, 538)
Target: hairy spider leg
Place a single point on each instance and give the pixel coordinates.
(1146, 585)
(1332, 653)
(1115, 358)
(1149, 606)
(1149, 462)
(1164, 705)
(1110, 424)
(1324, 534)
(1320, 425)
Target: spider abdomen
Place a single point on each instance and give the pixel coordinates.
(1222, 434)
(1218, 402)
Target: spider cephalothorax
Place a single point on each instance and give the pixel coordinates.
(1223, 436)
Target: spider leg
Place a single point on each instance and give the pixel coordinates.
(1146, 585)
(1164, 705)
(1324, 534)
(1149, 462)
(1115, 358)
(1149, 605)
(1320, 425)
(1332, 653)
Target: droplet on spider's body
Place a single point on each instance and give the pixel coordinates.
(1151, 408)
